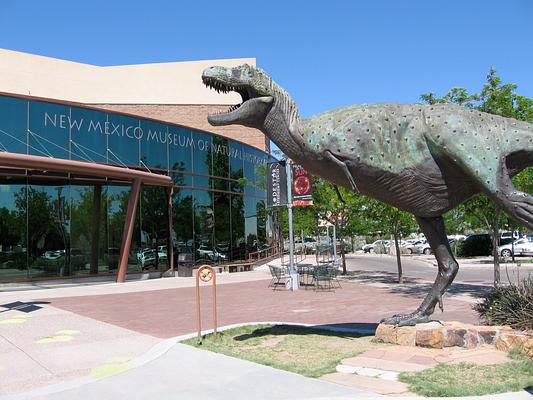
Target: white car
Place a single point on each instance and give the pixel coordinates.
(422, 248)
(371, 248)
(210, 254)
(522, 247)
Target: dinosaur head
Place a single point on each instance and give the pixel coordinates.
(255, 88)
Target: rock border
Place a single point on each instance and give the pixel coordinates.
(438, 335)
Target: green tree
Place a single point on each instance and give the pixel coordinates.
(395, 222)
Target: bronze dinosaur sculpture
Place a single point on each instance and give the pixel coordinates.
(421, 159)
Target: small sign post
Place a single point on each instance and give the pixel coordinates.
(206, 273)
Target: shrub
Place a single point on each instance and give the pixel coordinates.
(508, 305)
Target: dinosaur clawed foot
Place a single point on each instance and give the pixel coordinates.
(406, 319)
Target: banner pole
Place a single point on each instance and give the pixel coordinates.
(293, 281)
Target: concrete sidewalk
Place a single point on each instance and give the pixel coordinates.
(184, 372)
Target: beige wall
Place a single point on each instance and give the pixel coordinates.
(164, 83)
(171, 91)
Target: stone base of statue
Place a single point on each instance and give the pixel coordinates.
(440, 334)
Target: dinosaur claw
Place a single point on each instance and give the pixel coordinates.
(406, 319)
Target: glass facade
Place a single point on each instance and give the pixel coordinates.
(58, 224)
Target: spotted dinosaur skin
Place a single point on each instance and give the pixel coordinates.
(423, 159)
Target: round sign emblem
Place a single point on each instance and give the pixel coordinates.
(206, 274)
(302, 185)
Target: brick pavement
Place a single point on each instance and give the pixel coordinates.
(171, 312)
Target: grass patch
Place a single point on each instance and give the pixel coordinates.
(305, 351)
(466, 379)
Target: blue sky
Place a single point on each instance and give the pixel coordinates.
(325, 53)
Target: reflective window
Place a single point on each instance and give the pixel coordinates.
(54, 227)
(181, 179)
(88, 247)
(201, 181)
(180, 148)
(222, 227)
(117, 205)
(154, 152)
(48, 207)
(123, 135)
(204, 224)
(49, 130)
(250, 221)
(182, 221)
(236, 166)
(261, 223)
(154, 233)
(238, 243)
(249, 178)
(87, 133)
(201, 153)
(13, 125)
(13, 232)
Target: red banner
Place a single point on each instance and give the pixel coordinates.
(302, 187)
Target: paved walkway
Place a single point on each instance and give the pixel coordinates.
(185, 372)
(378, 370)
(63, 334)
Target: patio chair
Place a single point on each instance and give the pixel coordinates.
(334, 271)
(278, 276)
(324, 275)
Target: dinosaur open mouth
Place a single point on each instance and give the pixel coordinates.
(247, 112)
(221, 87)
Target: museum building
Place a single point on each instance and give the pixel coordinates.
(115, 171)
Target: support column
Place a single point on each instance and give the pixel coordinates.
(170, 241)
(127, 233)
(95, 228)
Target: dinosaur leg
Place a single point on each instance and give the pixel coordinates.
(435, 233)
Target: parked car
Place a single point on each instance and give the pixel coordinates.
(521, 247)
(510, 235)
(371, 248)
(422, 247)
(206, 252)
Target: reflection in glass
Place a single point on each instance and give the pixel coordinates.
(250, 223)
(87, 133)
(220, 164)
(201, 153)
(154, 150)
(182, 222)
(117, 205)
(54, 227)
(13, 219)
(180, 147)
(88, 251)
(123, 136)
(48, 209)
(49, 130)
(181, 179)
(154, 233)
(236, 167)
(238, 243)
(204, 223)
(222, 227)
(261, 224)
(13, 125)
